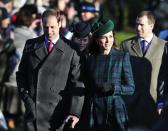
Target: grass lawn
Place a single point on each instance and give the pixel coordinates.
(120, 36)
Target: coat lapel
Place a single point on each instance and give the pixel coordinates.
(57, 52)
(152, 48)
(136, 47)
(40, 52)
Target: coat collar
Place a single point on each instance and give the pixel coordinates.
(41, 49)
(42, 54)
(136, 47)
(152, 47)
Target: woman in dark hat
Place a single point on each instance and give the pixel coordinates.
(109, 76)
(80, 39)
(81, 36)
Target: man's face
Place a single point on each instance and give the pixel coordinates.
(144, 27)
(85, 16)
(51, 27)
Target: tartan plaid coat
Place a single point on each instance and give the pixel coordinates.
(115, 69)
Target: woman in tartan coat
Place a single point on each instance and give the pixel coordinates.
(109, 77)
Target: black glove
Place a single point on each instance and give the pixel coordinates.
(106, 88)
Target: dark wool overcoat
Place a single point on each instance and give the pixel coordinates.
(49, 85)
(114, 69)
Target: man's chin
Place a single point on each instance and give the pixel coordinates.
(139, 35)
(49, 38)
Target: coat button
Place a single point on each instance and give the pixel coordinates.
(38, 102)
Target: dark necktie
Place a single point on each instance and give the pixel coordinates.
(50, 46)
(144, 45)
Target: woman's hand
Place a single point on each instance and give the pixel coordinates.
(106, 88)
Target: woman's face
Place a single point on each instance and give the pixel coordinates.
(62, 4)
(5, 23)
(106, 41)
(82, 43)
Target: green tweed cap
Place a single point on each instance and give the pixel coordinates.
(102, 27)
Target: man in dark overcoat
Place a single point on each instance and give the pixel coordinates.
(49, 79)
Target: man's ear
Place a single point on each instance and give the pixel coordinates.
(59, 23)
(63, 21)
(152, 25)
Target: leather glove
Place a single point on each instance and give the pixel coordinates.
(106, 88)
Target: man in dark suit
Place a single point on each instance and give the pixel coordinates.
(147, 46)
(48, 79)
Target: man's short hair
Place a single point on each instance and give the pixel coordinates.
(149, 14)
(52, 12)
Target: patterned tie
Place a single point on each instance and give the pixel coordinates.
(50, 46)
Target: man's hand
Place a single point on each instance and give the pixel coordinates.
(73, 120)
